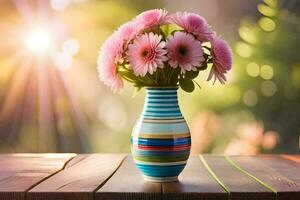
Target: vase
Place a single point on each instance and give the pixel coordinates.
(160, 141)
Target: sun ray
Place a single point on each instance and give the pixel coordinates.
(43, 9)
(22, 97)
(76, 113)
(16, 87)
(38, 102)
(47, 140)
(25, 11)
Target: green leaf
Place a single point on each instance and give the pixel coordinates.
(136, 90)
(203, 66)
(165, 29)
(169, 29)
(128, 74)
(191, 74)
(187, 84)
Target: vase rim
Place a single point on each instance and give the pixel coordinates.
(162, 87)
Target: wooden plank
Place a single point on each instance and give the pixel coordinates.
(285, 188)
(128, 184)
(77, 159)
(20, 172)
(195, 183)
(287, 168)
(239, 184)
(79, 180)
(295, 158)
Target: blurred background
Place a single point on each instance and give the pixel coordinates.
(51, 99)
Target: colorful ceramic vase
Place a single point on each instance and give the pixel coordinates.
(160, 141)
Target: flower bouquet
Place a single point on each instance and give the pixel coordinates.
(161, 52)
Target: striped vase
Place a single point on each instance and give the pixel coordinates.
(160, 141)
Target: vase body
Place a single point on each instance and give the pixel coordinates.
(160, 141)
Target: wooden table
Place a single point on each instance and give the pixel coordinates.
(114, 177)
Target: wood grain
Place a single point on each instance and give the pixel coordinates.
(79, 180)
(295, 158)
(287, 168)
(195, 183)
(77, 159)
(240, 185)
(286, 188)
(128, 184)
(20, 172)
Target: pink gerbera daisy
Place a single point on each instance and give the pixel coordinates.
(110, 53)
(112, 48)
(184, 51)
(108, 73)
(128, 31)
(146, 54)
(194, 24)
(152, 18)
(222, 60)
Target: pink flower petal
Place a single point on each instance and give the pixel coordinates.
(222, 60)
(146, 54)
(152, 18)
(193, 23)
(184, 51)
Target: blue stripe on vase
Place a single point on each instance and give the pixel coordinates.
(156, 153)
(158, 97)
(163, 106)
(163, 111)
(162, 140)
(161, 89)
(162, 118)
(164, 128)
(161, 102)
(162, 93)
(154, 142)
(161, 171)
(167, 115)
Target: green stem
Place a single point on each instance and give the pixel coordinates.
(170, 76)
(163, 76)
(197, 84)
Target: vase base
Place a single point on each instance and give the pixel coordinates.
(161, 179)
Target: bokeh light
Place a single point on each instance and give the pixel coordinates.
(268, 88)
(253, 69)
(250, 98)
(266, 10)
(59, 5)
(243, 50)
(266, 72)
(247, 34)
(62, 60)
(113, 115)
(70, 46)
(270, 139)
(267, 24)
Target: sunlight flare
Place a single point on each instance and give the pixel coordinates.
(38, 40)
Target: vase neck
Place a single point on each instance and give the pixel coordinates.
(161, 103)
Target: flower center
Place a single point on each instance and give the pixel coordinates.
(145, 53)
(148, 54)
(182, 50)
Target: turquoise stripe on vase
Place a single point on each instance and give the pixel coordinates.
(160, 141)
